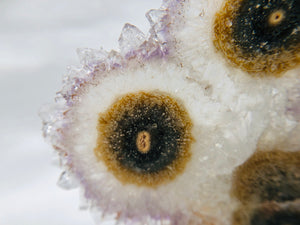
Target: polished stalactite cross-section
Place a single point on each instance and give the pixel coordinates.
(259, 36)
(145, 138)
(162, 130)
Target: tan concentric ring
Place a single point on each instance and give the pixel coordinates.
(273, 64)
(126, 105)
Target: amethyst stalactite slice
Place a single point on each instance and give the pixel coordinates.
(166, 130)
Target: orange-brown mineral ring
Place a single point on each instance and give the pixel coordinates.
(144, 138)
(260, 37)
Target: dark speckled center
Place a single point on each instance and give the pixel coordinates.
(163, 132)
(145, 138)
(264, 26)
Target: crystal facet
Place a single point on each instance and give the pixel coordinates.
(131, 39)
(67, 181)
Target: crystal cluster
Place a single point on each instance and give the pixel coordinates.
(161, 131)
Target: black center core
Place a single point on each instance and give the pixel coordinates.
(265, 26)
(162, 129)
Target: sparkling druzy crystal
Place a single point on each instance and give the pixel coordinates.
(196, 122)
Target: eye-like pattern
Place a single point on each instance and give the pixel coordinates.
(129, 136)
(259, 36)
(145, 138)
(281, 170)
(166, 131)
(268, 186)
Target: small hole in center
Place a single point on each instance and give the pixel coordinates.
(276, 17)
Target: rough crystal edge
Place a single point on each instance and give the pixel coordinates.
(95, 63)
(98, 62)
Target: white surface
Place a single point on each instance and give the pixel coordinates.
(38, 40)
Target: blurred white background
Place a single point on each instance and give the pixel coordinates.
(38, 40)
